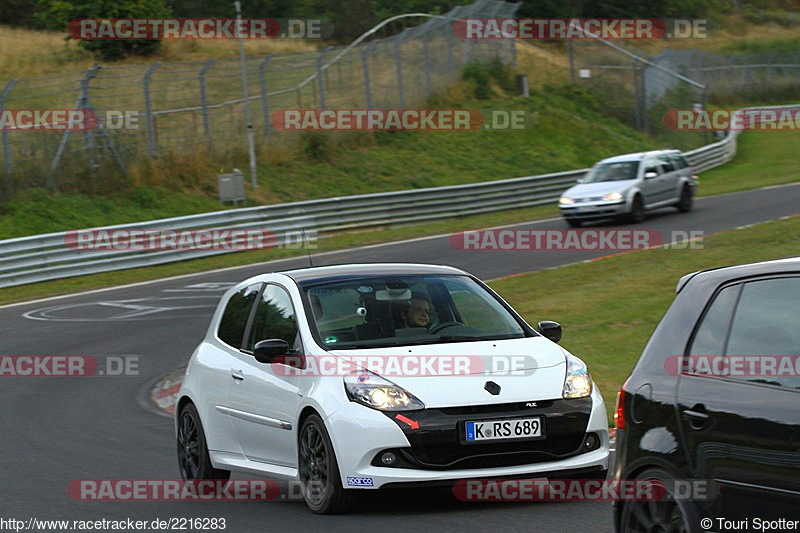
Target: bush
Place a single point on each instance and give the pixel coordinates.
(56, 14)
(483, 74)
(315, 145)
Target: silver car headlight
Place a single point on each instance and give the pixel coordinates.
(577, 382)
(370, 389)
(566, 200)
(612, 197)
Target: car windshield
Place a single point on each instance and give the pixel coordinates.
(624, 170)
(406, 310)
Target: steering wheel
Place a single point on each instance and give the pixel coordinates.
(444, 325)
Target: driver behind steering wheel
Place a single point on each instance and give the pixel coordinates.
(417, 313)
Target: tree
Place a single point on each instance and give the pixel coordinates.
(55, 14)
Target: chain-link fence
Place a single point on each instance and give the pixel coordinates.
(732, 79)
(195, 109)
(639, 91)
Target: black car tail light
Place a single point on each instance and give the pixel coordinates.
(619, 411)
(619, 408)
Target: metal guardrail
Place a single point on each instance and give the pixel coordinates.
(47, 257)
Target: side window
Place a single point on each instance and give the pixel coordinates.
(679, 161)
(651, 165)
(666, 163)
(234, 318)
(713, 331)
(274, 318)
(767, 324)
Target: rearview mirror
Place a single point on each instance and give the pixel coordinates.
(651, 174)
(550, 330)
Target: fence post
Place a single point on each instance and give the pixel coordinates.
(264, 94)
(570, 52)
(636, 112)
(320, 78)
(449, 38)
(148, 110)
(365, 65)
(6, 145)
(428, 80)
(514, 54)
(62, 145)
(643, 92)
(398, 58)
(204, 100)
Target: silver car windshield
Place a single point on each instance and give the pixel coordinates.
(621, 171)
(407, 310)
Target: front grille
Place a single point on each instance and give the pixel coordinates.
(437, 443)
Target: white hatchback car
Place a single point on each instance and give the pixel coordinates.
(355, 377)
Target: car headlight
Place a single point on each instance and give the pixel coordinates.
(577, 382)
(374, 391)
(565, 200)
(612, 197)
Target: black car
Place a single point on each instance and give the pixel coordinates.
(712, 408)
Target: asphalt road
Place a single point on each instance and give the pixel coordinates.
(55, 430)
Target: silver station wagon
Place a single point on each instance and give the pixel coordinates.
(627, 186)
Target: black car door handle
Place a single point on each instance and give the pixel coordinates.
(696, 417)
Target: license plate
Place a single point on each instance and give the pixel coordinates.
(586, 208)
(504, 429)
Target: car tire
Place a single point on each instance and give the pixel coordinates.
(193, 459)
(665, 514)
(573, 223)
(685, 202)
(319, 471)
(636, 213)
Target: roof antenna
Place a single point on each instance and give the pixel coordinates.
(308, 253)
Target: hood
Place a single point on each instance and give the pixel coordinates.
(539, 371)
(583, 190)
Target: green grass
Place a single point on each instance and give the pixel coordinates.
(763, 158)
(39, 212)
(609, 307)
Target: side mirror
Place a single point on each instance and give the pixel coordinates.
(267, 350)
(651, 174)
(550, 330)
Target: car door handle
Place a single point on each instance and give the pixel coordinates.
(696, 417)
(238, 375)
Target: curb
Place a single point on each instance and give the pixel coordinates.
(164, 394)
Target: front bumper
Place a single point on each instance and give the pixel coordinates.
(593, 210)
(434, 450)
